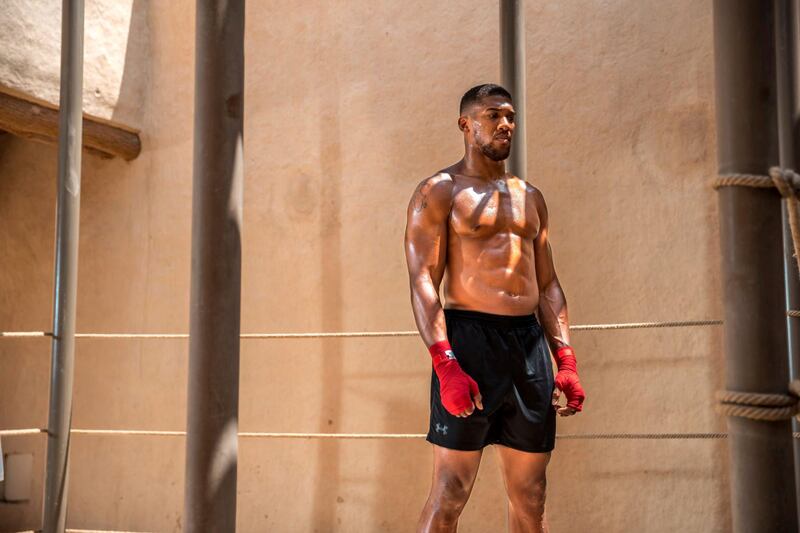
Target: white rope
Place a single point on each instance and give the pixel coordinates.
(363, 436)
(134, 432)
(352, 334)
(100, 531)
(645, 325)
(68, 530)
(334, 435)
(18, 432)
(642, 436)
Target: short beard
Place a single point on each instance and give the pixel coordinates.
(495, 154)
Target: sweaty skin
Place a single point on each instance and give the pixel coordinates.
(484, 232)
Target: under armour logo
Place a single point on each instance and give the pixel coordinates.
(440, 428)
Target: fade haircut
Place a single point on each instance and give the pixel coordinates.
(479, 92)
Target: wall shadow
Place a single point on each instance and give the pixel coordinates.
(323, 509)
(135, 83)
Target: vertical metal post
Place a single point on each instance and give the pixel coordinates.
(70, 136)
(512, 73)
(761, 453)
(213, 389)
(787, 117)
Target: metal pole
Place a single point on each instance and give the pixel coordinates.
(70, 134)
(761, 453)
(213, 389)
(512, 73)
(787, 116)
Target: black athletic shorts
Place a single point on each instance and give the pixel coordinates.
(509, 359)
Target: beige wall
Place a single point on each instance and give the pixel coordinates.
(342, 104)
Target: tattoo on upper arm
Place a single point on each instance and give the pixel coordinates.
(420, 201)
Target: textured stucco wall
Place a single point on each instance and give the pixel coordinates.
(115, 50)
(347, 107)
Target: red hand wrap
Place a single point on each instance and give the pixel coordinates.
(456, 388)
(567, 377)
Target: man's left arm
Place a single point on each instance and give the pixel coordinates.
(554, 318)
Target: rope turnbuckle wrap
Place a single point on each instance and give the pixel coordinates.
(761, 406)
(787, 182)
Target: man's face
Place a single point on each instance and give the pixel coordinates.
(490, 126)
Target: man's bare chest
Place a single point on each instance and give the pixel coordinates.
(498, 208)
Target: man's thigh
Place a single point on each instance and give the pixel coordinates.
(454, 471)
(523, 472)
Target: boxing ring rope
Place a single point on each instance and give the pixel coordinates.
(354, 334)
(97, 531)
(69, 530)
(735, 403)
(369, 436)
(365, 436)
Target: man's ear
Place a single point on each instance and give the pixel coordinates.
(463, 123)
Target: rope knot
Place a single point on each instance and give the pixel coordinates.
(761, 406)
(786, 181)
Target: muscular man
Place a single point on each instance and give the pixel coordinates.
(492, 380)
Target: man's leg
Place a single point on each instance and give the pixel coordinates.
(454, 474)
(524, 476)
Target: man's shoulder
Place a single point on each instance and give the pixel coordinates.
(438, 185)
(441, 178)
(533, 191)
(435, 191)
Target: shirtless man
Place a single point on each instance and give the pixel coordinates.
(487, 230)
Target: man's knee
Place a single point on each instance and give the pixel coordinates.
(449, 498)
(528, 498)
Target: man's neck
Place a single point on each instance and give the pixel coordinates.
(477, 165)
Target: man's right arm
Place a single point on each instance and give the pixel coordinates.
(426, 253)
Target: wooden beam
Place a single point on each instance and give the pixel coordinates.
(28, 117)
